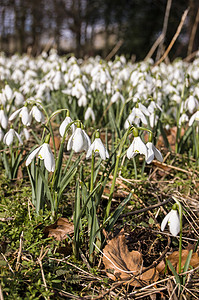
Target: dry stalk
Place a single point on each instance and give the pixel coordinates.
(1, 293)
(193, 33)
(164, 29)
(19, 252)
(174, 38)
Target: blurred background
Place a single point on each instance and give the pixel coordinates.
(103, 27)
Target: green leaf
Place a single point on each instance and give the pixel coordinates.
(177, 278)
(117, 213)
(187, 264)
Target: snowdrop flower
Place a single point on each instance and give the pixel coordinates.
(116, 97)
(9, 137)
(97, 147)
(152, 153)
(183, 119)
(44, 153)
(64, 124)
(37, 114)
(25, 133)
(138, 114)
(7, 91)
(82, 101)
(89, 113)
(172, 218)
(19, 98)
(23, 113)
(79, 141)
(194, 117)
(191, 104)
(137, 146)
(3, 119)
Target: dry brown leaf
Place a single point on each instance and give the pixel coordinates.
(121, 264)
(174, 259)
(60, 229)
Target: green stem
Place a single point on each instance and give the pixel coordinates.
(92, 171)
(180, 240)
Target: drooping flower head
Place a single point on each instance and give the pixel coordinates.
(98, 148)
(79, 140)
(137, 146)
(65, 123)
(44, 153)
(173, 220)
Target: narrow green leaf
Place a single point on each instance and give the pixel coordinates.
(117, 213)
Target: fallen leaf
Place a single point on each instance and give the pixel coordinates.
(121, 264)
(60, 229)
(174, 259)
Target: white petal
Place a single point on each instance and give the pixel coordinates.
(192, 119)
(150, 153)
(14, 114)
(157, 154)
(49, 160)
(8, 138)
(89, 152)
(174, 223)
(130, 151)
(165, 221)
(26, 118)
(99, 148)
(139, 146)
(70, 142)
(32, 155)
(19, 138)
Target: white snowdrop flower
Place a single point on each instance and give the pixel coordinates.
(19, 98)
(23, 113)
(37, 114)
(43, 152)
(25, 133)
(191, 103)
(98, 148)
(135, 117)
(152, 153)
(172, 218)
(8, 92)
(194, 117)
(183, 119)
(3, 99)
(79, 141)
(3, 119)
(63, 125)
(153, 106)
(89, 114)
(137, 146)
(9, 137)
(116, 97)
(153, 119)
(82, 101)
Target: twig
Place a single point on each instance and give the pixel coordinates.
(1, 293)
(114, 50)
(153, 48)
(161, 281)
(174, 38)
(9, 266)
(19, 252)
(145, 209)
(164, 30)
(193, 33)
(41, 256)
